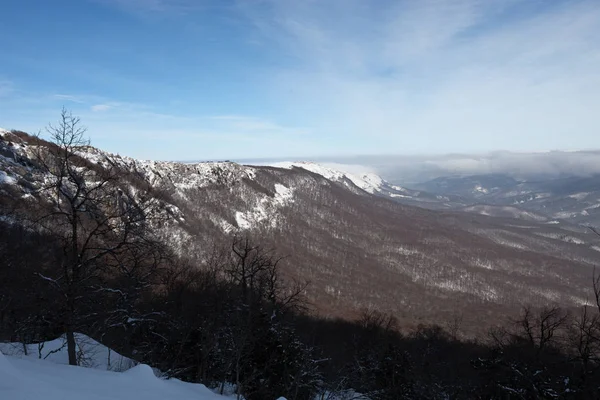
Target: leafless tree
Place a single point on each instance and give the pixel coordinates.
(541, 329)
(102, 227)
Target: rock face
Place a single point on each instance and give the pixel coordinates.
(346, 235)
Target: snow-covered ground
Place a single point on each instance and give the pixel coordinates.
(29, 377)
(41, 371)
(91, 354)
(33, 379)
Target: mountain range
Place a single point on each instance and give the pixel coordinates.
(472, 247)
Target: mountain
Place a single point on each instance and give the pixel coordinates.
(573, 199)
(354, 176)
(347, 234)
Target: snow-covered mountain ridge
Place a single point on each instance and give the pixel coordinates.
(342, 228)
(179, 183)
(367, 181)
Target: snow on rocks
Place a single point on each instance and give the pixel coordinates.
(265, 209)
(283, 195)
(6, 179)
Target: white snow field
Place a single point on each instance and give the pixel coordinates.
(29, 377)
(44, 374)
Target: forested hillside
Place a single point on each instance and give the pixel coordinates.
(281, 282)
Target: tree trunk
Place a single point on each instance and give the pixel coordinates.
(71, 346)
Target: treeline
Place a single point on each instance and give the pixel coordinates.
(83, 258)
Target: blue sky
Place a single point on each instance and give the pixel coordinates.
(200, 79)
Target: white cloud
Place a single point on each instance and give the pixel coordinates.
(440, 75)
(251, 124)
(100, 107)
(69, 98)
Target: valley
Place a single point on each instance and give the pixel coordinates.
(359, 241)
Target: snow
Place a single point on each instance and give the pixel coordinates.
(25, 379)
(92, 354)
(367, 181)
(221, 223)
(243, 220)
(398, 188)
(504, 211)
(283, 194)
(579, 196)
(183, 176)
(7, 179)
(480, 189)
(28, 377)
(265, 209)
(559, 236)
(565, 214)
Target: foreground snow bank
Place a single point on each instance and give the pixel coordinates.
(41, 371)
(30, 378)
(90, 353)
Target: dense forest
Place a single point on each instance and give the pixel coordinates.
(87, 260)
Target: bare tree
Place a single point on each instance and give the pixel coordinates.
(100, 224)
(540, 329)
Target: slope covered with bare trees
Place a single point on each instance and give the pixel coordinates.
(283, 282)
(357, 250)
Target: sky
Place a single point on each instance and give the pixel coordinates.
(240, 79)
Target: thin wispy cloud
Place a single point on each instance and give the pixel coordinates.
(442, 75)
(145, 126)
(268, 78)
(100, 107)
(6, 88)
(155, 7)
(69, 98)
(254, 124)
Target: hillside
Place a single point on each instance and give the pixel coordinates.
(346, 234)
(572, 199)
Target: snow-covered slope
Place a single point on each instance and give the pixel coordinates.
(41, 371)
(32, 379)
(505, 212)
(91, 353)
(367, 181)
(255, 204)
(338, 221)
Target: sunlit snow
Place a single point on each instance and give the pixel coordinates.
(367, 181)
